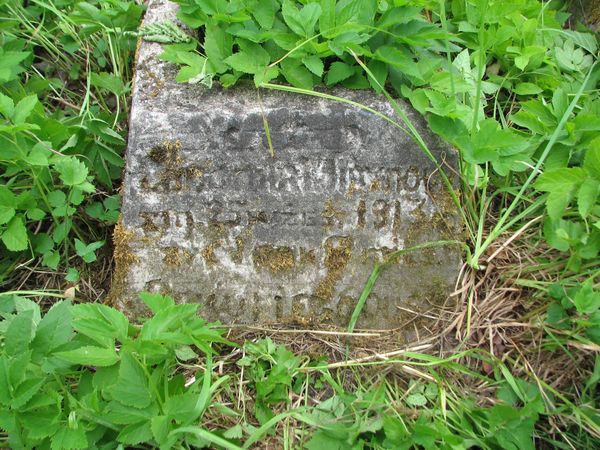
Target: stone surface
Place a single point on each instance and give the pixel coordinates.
(210, 216)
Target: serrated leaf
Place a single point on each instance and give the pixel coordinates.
(301, 21)
(217, 45)
(296, 74)
(587, 196)
(337, 72)
(100, 322)
(135, 433)
(264, 13)
(15, 235)
(527, 89)
(54, 329)
(249, 63)
(586, 300)
(72, 171)
(131, 388)
(69, 438)
(7, 106)
(19, 333)
(156, 302)
(314, 64)
(24, 108)
(90, 355)
(591, 162)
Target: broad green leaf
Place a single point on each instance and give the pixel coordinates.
(68, 438)
(217, 45)
(54, 329)
(314, 64)
(26, 390)
(249, 62)
(7, 106)
(131, 388)
(72, 171)
(24, 108)
(591, 162)
(156, 302)
(161, 426)
(100, 322)
(15, 235)
(135, 433)
(586, 300)
(587, 196)
(338, 71)
(90, 355)
(264, 13)
(303, 21)
(296, 74)
(527, 89)
(6, 213)
(87, 252)
(19, 334)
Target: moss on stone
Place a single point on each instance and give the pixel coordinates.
(272, 258)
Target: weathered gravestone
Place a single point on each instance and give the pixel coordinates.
(210, 216)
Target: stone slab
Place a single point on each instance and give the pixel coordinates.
(210, 216)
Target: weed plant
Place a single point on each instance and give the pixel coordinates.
(506, 82)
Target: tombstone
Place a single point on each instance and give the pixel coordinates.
(210, 216)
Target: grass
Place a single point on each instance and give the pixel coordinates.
(514, 365)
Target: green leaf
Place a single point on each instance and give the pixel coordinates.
(160, 426)
(561, 184)
(87, 252)
(72, 171)
(416, 399)
(15, 235)
(249, 61)
(54, 329)
(591, 162)
(303, 21)
(101, 323)
(587, 196)
(131, 388)
(337, 72)
(264, 13)
(90, 355)
(314, 64)
(7, 106)
(69, 438)
(19, 333)
(24, 108)
(156, 302)
(296, 74)
(217, 45)
(527, 89)
(135, 433)
(586, 300)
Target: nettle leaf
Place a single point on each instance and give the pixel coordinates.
(15, 235)
(90, 355)
(72, 171)
(303, 21)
